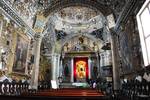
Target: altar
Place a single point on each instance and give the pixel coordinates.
(78, 67)
(80, 85)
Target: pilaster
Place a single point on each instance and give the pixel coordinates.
(35, 72)
(115, 57)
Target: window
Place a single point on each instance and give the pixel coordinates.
(143, 19)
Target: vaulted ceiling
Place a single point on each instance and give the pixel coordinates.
(69, 18)
(105, 6)
(75, 19)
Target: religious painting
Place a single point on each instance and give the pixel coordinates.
(80, 69)
(21, 55)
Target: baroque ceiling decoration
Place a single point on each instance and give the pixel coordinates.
(98, 33)
(60, 34)
(78, 19)
(66, 17)
(81, 43)
(105, 6)
(77, 13)
(27, 8)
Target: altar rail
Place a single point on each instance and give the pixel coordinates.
(13, 88)
(136, 90)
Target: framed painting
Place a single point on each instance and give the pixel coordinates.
(80, 69)
(20, 59)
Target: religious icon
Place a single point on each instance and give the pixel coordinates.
(81, 69)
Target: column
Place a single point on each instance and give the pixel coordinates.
(35, 72)
(53, 67)
(60, 68)
(89, 65)
(72, 70)
(57, 68)
(115, 57)
(57, 65)
(98, 63)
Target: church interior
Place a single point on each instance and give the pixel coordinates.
(87, 49)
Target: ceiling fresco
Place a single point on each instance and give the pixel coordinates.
(68, 17)
(78, 19)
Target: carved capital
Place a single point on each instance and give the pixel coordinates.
(37, 36)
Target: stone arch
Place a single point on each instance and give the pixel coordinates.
(98, 42)
(59, 4)
(87, 46)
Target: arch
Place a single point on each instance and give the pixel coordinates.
(59, 4)
(87, 46)
(67, 39)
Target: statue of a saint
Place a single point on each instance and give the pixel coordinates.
(66, 70)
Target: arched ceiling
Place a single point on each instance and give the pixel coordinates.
(104, 6)
(69, 16)
(77, 19)
(81, 43)
(27, 9)
(74, 21)
(81, 13)
(56, 5)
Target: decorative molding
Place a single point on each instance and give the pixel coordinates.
(69, 37)
(12, 14)
(37, 36)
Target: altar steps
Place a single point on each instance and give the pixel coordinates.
(64, 93)
(69, 92)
